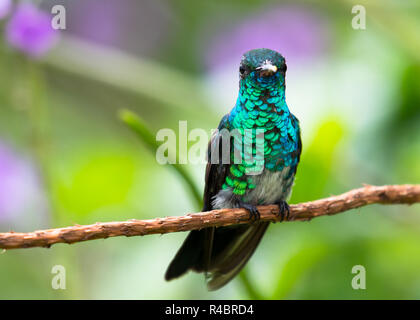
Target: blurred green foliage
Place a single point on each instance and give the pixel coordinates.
(89, 189)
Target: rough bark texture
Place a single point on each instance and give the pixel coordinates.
(391, 194)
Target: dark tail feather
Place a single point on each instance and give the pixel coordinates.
(231, 255)
(189, 256)
(219, 252)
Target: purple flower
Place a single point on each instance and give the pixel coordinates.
(294, 31)
(29, 30)
(5, 7)
(20, 190)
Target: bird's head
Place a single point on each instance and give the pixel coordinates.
(262, 68)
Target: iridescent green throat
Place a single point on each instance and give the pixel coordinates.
(260, 106)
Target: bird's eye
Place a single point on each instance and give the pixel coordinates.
(284, 68)
(243, 71)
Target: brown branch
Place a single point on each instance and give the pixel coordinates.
(392, 194)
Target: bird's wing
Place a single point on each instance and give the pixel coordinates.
(215, 172)
(214, 178)
(298, 151)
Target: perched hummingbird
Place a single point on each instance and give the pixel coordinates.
(222, 252)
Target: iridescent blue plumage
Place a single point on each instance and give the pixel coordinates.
(264, 177)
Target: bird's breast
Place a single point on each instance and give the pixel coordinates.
(270, 187)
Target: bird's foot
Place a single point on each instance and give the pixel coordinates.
(284, 210)
(254, 214)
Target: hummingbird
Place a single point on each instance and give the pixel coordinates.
(221, 252)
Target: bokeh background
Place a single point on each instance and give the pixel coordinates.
(67, 158)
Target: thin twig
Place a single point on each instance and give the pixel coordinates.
(391, 194)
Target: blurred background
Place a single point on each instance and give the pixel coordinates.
(67, 158)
